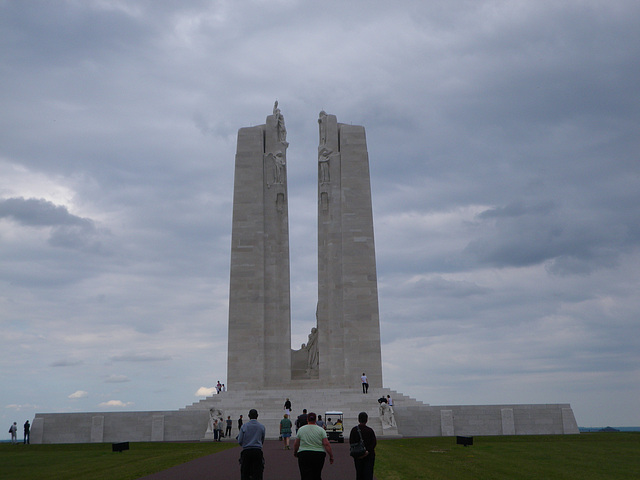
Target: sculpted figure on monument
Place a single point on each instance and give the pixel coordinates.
(213, 414)
(282, 130)
(312, 350)
(323, 161)
(386, 416)
(322, 124)
(278, 166)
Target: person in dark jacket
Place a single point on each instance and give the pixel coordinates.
(364, 464)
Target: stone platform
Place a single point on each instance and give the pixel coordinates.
(413, 418)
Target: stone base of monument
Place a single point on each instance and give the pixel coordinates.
(412, 418)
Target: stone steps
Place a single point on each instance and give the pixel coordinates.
(270, 403)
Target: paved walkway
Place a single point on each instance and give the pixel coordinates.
(279, 465)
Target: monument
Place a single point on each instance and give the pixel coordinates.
(259, 353)
(324, 374)
(346, 339)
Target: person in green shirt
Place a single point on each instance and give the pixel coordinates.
(310, 448)
(285, 430)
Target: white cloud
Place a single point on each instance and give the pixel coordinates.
(115, 403)
(205, 391)
(78, 394)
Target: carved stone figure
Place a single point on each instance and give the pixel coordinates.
(214, 413)
(312, 350)
(323, 127)
(386, 416)
(282, 130)
(279, 164)
(323, 161)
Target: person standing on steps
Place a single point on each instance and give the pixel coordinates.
(365, 383)
(251, 438)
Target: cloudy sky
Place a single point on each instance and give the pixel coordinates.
(503, 139)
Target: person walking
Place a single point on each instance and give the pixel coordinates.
(301, 420)
(364, 465)
(310, 448)
(251, 438)
(240, 422)
(287, 407)
(285, 430)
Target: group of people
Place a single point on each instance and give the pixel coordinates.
(220, 387)
(13, 430)
(311, 446)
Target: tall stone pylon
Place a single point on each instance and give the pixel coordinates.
(348, 315)
(259, 352)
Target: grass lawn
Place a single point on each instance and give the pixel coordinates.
(545, 457)
(96, 461)
(585, 456)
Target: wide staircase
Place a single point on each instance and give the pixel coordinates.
(270, 406)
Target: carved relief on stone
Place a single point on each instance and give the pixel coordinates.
(386, 416)
(324, 201)
(214, 413)
(280, 202)
(324, 163)
(278, 166)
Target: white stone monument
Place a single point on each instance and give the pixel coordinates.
(346, 339)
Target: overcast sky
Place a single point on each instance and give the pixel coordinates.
(503, 141)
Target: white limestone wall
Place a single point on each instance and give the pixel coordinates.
(470, 420)
(113, 427)
(348, 316)
(259, 341)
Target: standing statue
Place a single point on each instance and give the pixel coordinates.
(322, 124)
(278, 164)
(312, 351)
(282, 130)
(323, 161)
(278, 167)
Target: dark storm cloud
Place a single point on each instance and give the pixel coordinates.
(68, 231)
(139, 357)
(66, 363)
(503, 143)
(40, 212)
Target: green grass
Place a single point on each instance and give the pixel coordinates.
(96, 461)
(585, 456)
(566, 457)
